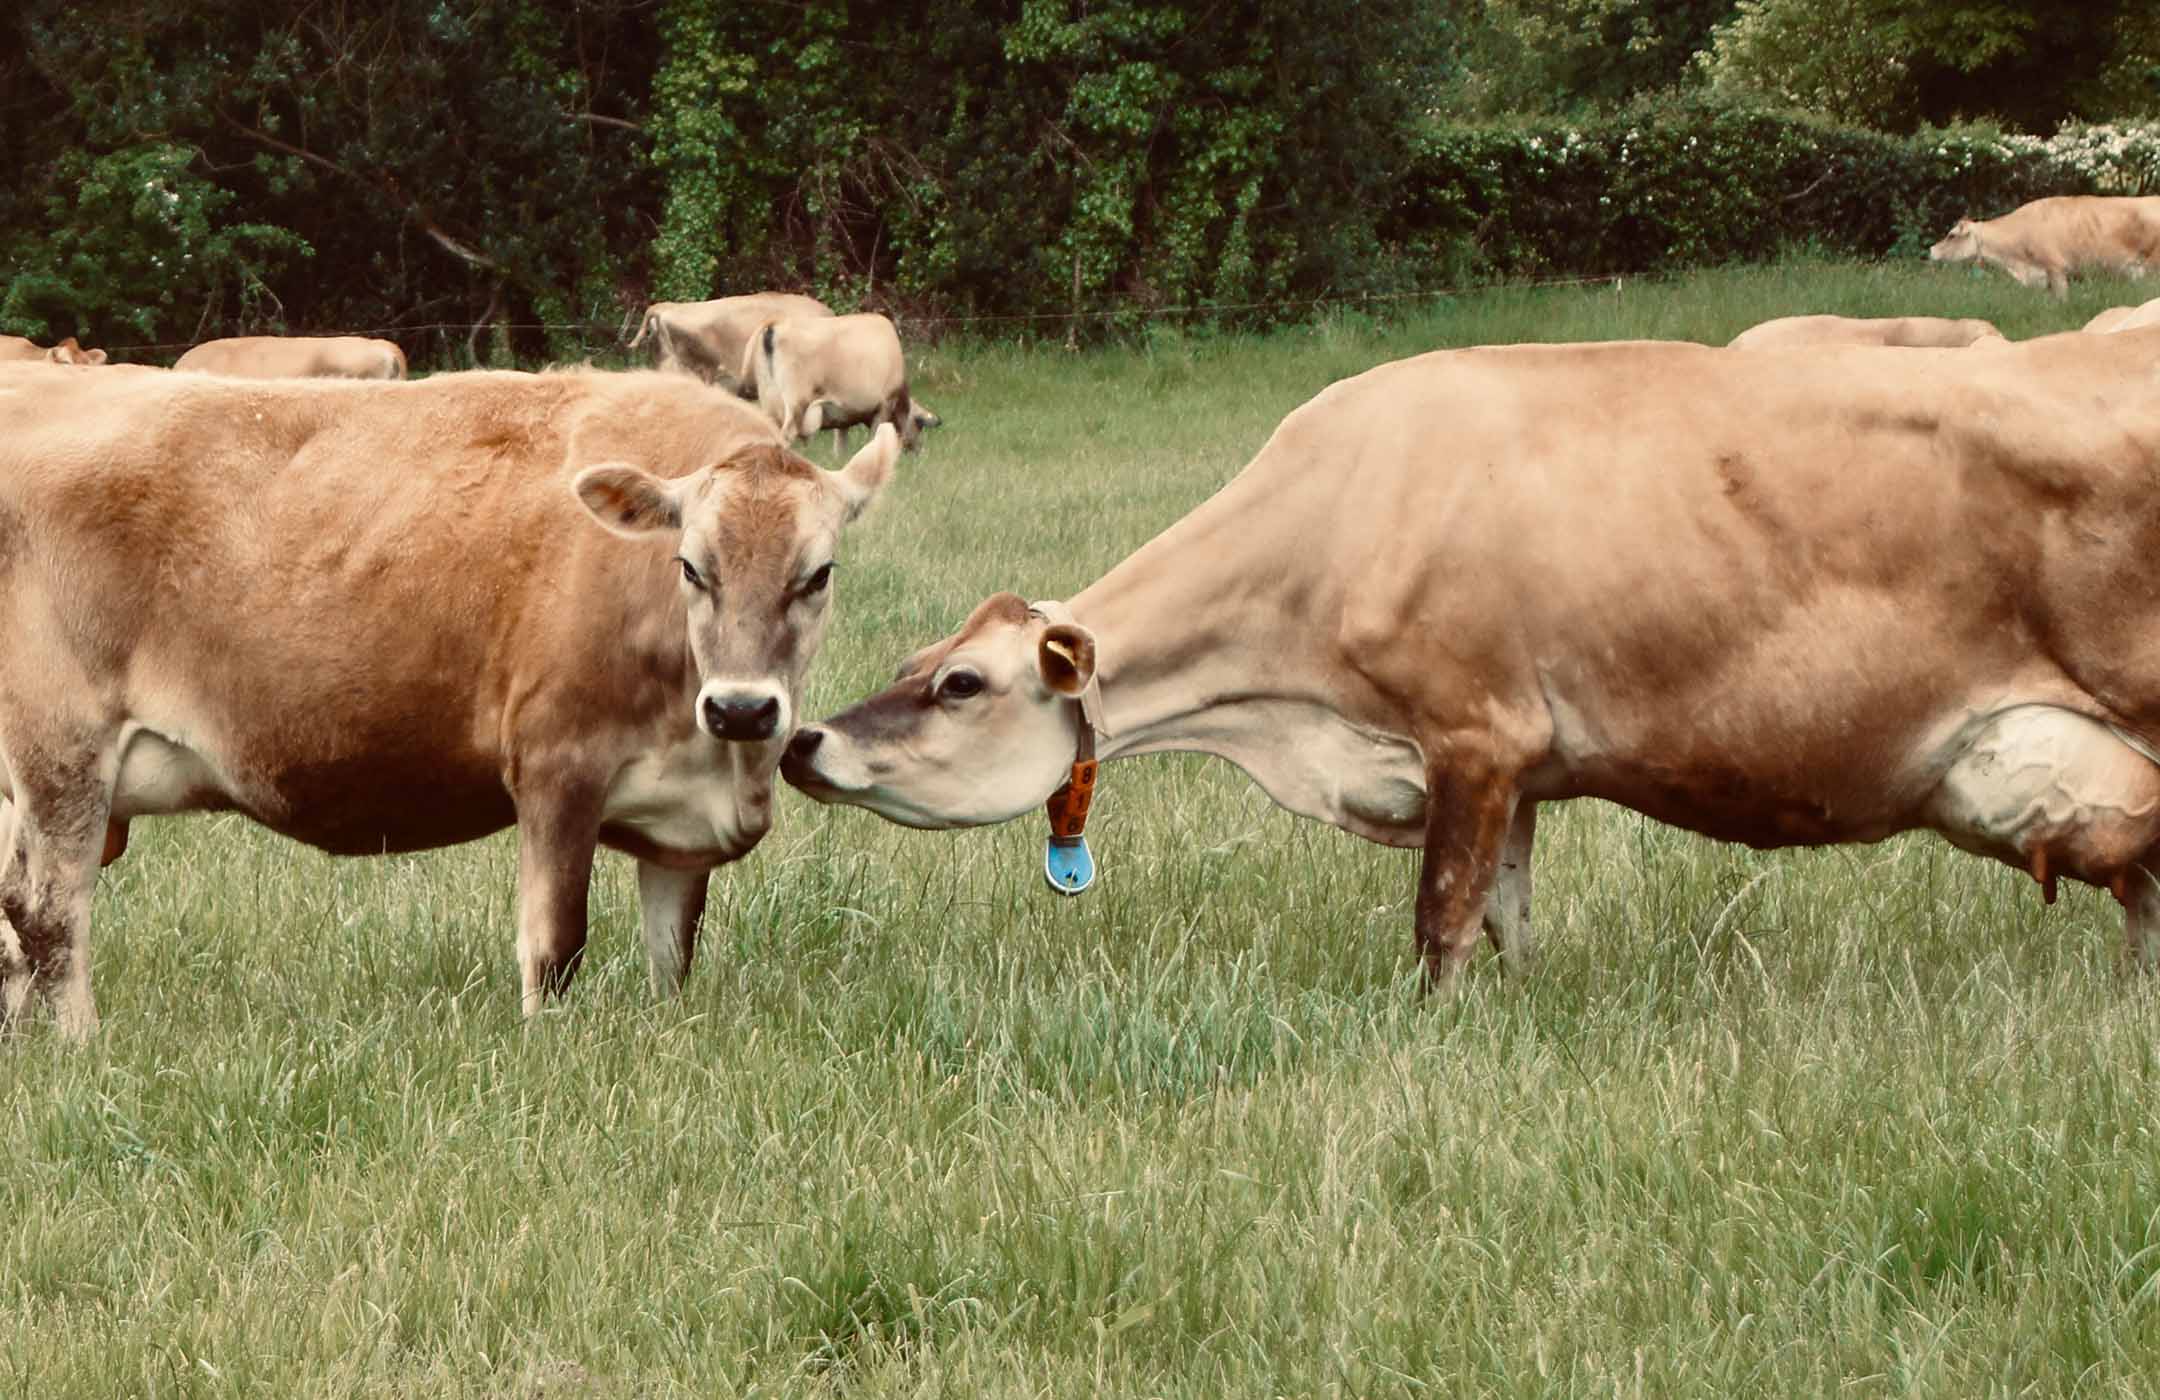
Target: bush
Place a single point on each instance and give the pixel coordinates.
(1684, 185)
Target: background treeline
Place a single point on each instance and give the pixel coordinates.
(463, 177)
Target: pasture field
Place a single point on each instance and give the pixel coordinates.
(1861, 1122)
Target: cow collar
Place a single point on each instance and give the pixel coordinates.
(1068, 865)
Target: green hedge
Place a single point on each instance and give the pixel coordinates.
(1693, 185)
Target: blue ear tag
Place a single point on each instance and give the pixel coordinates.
(1067, 864)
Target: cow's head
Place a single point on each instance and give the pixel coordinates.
(754, 539)
(1961, 244)
(978, 728)
(68, 352)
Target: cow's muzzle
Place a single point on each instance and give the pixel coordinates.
(742, 714)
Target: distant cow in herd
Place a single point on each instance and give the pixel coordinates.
(15, 348)
(2043, 242)
(709, 338)
(837, 372)
(388, 617)
(296, 357)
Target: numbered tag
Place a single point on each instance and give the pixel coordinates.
(1068, 864)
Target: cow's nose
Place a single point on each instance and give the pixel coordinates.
(804, 746)
(744, 718)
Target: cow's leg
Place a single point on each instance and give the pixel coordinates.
(14, 965)
(1469, 808)
(813, 419)
(1507, 908)
(2058, 282)
(556, 839)
(54, 834)
(2141, 916)
(670, 903)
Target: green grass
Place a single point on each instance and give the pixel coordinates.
(1868, 1121)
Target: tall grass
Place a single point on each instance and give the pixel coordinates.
(1869, 1121)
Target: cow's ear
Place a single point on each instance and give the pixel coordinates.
(96, 357)
(1066, 655)
(629, 501)
(869, 470)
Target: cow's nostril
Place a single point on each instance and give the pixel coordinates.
(805, 744)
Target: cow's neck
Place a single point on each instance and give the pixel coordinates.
(1214, 638)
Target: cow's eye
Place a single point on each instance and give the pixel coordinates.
(960, 685)
(815, 584)
(690, 574)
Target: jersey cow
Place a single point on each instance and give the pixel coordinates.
(709, 338)
(388, 617)
(1785, 598)
(17, 349)
(1910, 332)
(836, 372)
(296, 357)
(2043, 242)
(2125, 318)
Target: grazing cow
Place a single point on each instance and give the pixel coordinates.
(2043, 242)
(708, 338)
(1786, 598)
(2125, 318)
(1911, 332)
(296, 357)
(15, 348)
(836, 372)
(387, 617)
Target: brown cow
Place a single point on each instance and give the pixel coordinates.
(2043, 242)
(17, 349)
(708, 338)
(1910, 332)
(1784, 597)
(836, 372)
(387, 617)
(296, 357)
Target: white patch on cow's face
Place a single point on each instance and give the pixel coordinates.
(980, 730)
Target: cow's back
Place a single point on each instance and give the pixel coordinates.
(1664, 553)
(2083, 229)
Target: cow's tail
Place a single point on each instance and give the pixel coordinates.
(757, 360)
(648, 326)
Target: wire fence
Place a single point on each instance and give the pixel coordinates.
(616, 335)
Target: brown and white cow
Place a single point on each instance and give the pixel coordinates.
(1786, 598)
(18, 349)
(1910, 332)
(834, 372)
(389, 617)
(708, 338)
(296, 357)
(2043, 242)
(2125, 318)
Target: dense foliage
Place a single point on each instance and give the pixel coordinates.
(1694, 184)
(512, 179)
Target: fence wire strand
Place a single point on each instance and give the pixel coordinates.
(613, 335)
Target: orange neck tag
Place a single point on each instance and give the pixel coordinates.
(1068, 806)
